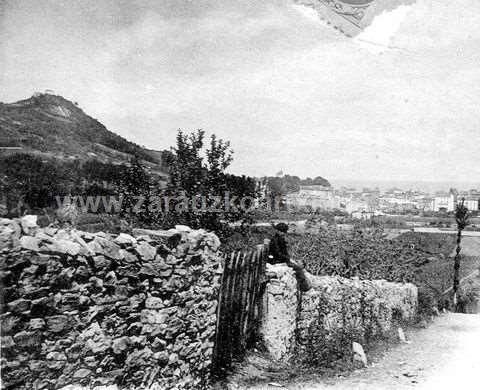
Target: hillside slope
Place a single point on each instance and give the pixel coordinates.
(53, 126)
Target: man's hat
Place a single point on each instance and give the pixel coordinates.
(283, 227)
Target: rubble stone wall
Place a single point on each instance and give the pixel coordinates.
(99, 309)
(333, 314)
(280, 312)
(280, 305)
(338, 311)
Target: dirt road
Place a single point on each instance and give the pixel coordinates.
(446, 355)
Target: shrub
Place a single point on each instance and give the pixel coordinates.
(362, 253)
(367, 254)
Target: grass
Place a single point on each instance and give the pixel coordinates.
(430, 243)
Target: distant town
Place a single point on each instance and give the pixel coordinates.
(368, 202)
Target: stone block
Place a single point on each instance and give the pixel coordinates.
(58, 323)
(125, 239)
(146, 251)
(30, 243)
(82, 374)
(121, 345)
(26, 339)
(153, 316)
(19, 305)
(154, 303)
(64, 246)
(36, 324)
(29, 224)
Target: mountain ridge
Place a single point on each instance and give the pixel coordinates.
(52, 126)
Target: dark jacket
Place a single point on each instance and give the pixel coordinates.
(278, 250)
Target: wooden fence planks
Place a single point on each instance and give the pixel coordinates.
(238, 306)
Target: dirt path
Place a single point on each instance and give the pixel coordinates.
(446, 355)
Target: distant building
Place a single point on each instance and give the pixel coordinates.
(314, 196)
(316, 190)
(353, 205)
(445, 201)
(448, 201)
(471, 204)
(363, 215)
(425, 204)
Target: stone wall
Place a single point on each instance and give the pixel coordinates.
(280, 312)
(96, 309)
(338, 311)
(335, 312)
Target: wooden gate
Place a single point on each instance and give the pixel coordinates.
(240, 304)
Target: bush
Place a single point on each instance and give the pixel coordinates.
(362, 253)
(367, 254)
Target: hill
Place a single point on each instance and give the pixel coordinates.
(52, 126)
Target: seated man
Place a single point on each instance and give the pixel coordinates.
(278, 253)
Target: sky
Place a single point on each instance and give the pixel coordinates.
(292, 94)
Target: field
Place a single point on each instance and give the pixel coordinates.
(423, 259)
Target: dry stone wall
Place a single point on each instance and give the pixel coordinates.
(339, 311)
(99, 310)
(329, 317)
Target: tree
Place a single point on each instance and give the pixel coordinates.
(136, 191)
(187, 171)
(219, 157)
(198, 174)
(321, 181)
(461, 217)
(243, 187)
(32, 181)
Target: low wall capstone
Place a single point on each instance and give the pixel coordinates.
(92, 310)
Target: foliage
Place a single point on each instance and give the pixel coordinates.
(367, 254)
(136, 192)
(282, 185)
(461, 215)
(29, 181)
(430, 243)
(362, 253)
(94, 171)
(469, 294)
(198, 175)
(328, 347)
(316, 181)
(34, 182)
(187, 170)
(102, 223)
(240, 239)
(461, 218)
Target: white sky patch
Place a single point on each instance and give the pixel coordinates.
(378, 36)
